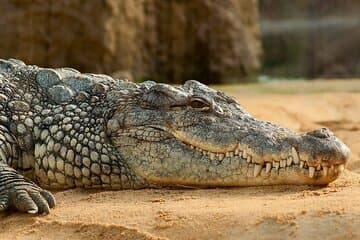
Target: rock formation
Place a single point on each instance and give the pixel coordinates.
(213, 41)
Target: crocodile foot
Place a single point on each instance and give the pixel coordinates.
(25, 196)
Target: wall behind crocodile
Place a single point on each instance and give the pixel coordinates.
(214, 41)
(311, 38)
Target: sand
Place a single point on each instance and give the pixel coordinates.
(273, 212)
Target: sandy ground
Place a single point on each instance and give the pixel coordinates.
(275, 212)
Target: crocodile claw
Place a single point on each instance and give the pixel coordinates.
(28, 198)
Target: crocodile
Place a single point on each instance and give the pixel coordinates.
(62, 129)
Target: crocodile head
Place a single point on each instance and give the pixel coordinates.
(194, 135)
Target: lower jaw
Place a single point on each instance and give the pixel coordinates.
(289, 176)
(294, 176)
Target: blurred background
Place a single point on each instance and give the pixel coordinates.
(311, 38)
(214, 41)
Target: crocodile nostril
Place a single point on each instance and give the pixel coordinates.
(321, 133)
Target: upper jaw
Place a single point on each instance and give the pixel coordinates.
(294, 151)
(265, 165)
(326, 160)
(320, 157)
(324, 152)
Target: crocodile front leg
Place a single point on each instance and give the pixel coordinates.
(17, 191)
(22, 194)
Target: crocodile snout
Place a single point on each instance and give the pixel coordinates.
(321, 133)
(322, 147)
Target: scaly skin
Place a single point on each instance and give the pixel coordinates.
(63, 129)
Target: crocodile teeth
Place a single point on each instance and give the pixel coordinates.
(311, 172)
(295, 155)
(318, 168)
(277, 165)
(302, 164)
(283, 163)
(325, 171)
(257, 170)
(221, 156)
(248, 160)
(268, 167)
(289, 161)
(244, 155)
(212, 156)
(237, 151)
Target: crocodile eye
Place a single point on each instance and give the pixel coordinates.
(199, 104)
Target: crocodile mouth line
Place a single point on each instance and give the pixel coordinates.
(237, 151)
(292, 161)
